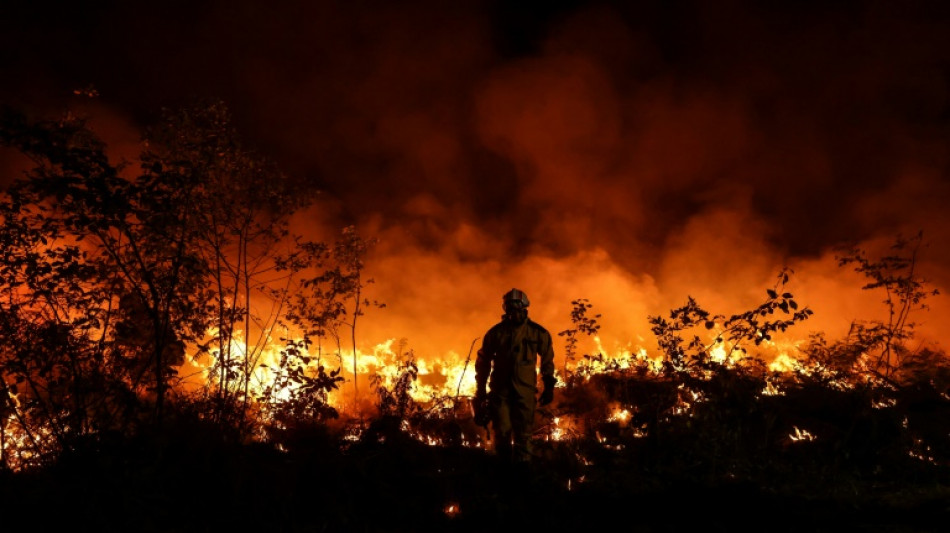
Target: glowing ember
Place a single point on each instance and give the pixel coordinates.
(619, 415)
(771, 389)
(452, 510)
(799, 435)
(922, 452)
(883, 403)
(557, 433)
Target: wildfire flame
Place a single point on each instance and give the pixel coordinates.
(799, 435)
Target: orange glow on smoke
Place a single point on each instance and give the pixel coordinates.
(438, 307)
(592, 167)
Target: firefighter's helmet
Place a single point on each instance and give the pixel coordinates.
(516, 298)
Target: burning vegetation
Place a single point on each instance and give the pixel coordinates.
(166, 314)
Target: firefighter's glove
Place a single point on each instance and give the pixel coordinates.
(547, 395)
(481, 397)
(481, 411)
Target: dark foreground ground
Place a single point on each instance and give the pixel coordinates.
(197, 484)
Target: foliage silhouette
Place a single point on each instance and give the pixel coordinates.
(905, 292)
(111, 272)
(297, 392)
(80, 239)
(580, 324)
(333, 297)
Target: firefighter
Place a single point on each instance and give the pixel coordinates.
(507, 364)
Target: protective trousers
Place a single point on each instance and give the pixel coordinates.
(513, 423)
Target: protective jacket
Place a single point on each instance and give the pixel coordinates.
(508, 359)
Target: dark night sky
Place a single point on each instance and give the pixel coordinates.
(660, 133)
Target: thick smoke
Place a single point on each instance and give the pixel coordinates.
(628, 154)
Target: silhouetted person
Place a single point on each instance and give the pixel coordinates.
(507, 363)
